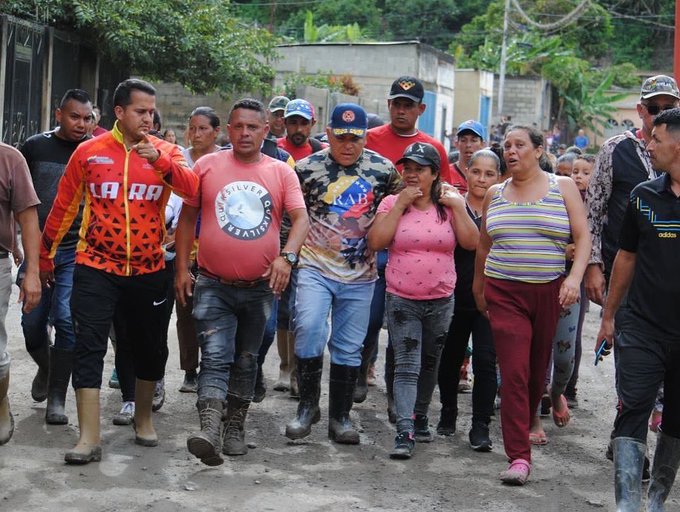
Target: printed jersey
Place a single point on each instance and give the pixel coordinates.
(241, 209)
(47, 156)
(124, 196)
(342, 203)
(384, 141)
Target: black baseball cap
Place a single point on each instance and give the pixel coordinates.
(407, 87)
(423, 154)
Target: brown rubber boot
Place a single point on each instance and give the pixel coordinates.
(207, 444)
(88, 448)
(145, 434)
(233, 426)
(283, 382)
(6, 418)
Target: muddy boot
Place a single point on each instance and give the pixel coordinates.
(309, 379)
(6, 418)
(361, 388)
(41, 357)
(260, 387)
(629, 457)
(666, 462)
(283, 382)
(207, 444)
(340, 400)
(145, 434)
(88, 448)
(233, 426)
(61, 362)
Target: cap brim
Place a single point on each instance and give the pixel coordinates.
(419, 160)
(276, 109)
(359, 132)
(402, 95)
(660, 93)
(461, 132)
(299, 114)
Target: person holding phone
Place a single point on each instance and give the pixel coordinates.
(644, 329)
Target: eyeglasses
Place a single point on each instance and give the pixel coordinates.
(655, 109)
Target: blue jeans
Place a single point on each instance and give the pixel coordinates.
(230, 323)
(54, 307)
(418, 331)
(349, 305)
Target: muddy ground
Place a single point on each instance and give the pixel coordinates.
(570, 473)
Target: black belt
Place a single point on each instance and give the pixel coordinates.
(235, 284)
(3, 255)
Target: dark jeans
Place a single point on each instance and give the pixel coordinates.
(464, 323)
(370, 351)
(418, 331)
(53, 308)
(141, 300)
(643, 363)
(186, 332)
(230, 322)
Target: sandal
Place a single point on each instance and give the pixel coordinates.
(517, 473)
(538, 438)
(561, 419)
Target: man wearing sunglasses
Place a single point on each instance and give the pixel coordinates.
(622, 163)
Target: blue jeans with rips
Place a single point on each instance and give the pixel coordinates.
(54, 307)
(418, 331)
(230, 323)
(349, 306)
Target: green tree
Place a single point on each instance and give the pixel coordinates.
(198, 43)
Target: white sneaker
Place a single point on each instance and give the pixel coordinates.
(126, 414)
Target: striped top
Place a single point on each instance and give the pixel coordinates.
(528, 239)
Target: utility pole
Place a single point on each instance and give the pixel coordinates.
(504, 55)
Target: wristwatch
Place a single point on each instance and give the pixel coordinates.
(291, 258)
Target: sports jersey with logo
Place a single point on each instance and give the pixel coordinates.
(123, 224)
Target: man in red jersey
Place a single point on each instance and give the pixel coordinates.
(299, 120)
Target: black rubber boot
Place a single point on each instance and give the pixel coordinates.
(340, 400)
(41, 357)
(361, 389)
(207, 444)
(629, 458)
(61, 363)
(309, 380)
(233, 426)
(666, 462)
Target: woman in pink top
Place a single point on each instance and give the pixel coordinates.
(420, 228)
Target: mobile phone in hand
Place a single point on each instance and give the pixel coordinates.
(601, 351)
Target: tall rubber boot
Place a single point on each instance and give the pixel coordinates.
(309, 378)
(41, 357)
(340, 400)
(666, 462)
(88, 448)
(233, 426)
(145, 434)
(61, 364)
(629, 458)
(207, 444)
(283, 382)
(6, 418)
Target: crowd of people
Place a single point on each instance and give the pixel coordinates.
(335, 234)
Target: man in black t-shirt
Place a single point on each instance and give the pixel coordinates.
(646, 332)
(47, 155)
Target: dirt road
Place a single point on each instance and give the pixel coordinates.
(569, 474)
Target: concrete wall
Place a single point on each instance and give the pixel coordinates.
(471, 85)
(527, 100)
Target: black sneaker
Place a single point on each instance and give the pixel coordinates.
(479, 437)
(403, 446)
(447, 422)
(421, 426)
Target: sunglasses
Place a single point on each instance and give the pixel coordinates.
(655, 109)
